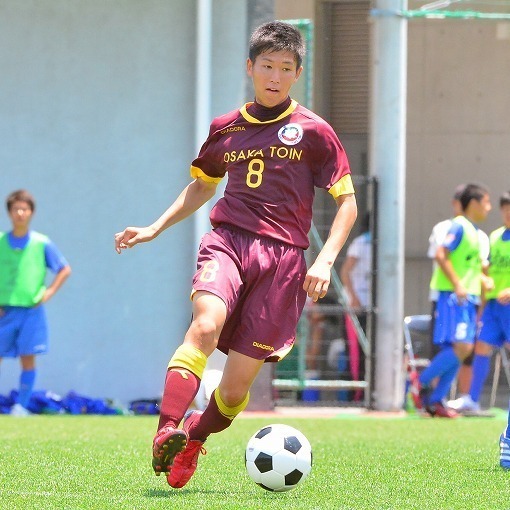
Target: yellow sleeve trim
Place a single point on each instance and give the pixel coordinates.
(196, 173)
(343, 187)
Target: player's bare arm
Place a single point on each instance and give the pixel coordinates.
(319, 275)
(57, 282)
(487, 283)
(194, 196)
(345, 276)
(443, 259)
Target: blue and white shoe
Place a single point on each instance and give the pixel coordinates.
(19, 410)
(504, 456)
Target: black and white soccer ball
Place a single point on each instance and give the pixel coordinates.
(278, 457)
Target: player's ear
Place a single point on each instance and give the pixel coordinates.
(298, 73)
(249, 67)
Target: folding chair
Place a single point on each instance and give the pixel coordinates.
(501, 361)
(417, 337)
(417, 340)
(417, 349)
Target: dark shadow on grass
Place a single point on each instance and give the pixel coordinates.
(179, 493)
(492, 469)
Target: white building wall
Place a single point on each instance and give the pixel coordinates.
(97, 120)
(458, 129)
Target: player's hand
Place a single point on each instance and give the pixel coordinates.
(131, 236)
(46, 296)
(487, 282)
(461, 293)
(504, 297)
(317, 281)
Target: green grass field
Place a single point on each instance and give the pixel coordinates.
(103, 462)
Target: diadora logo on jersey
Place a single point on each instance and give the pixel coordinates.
(232, 129)
(291, 134)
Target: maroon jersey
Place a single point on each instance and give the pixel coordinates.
(273, 168)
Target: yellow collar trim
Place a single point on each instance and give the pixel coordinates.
(253, 120)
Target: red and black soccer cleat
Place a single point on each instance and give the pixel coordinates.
(185, 463)
(167, 444)
(439, 410)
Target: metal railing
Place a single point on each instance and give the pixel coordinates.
(294, 382)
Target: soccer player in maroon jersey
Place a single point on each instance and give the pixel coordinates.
(251, 280)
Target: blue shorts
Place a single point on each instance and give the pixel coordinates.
(495, 323)
(454, 321)
(23, 331)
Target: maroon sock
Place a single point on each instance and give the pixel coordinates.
(210, 421)
(181, 387)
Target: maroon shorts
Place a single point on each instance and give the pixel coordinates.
(261, 282)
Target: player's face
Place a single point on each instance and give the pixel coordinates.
(273, 74)
(20, 214)
(481, 208)
(505, 213)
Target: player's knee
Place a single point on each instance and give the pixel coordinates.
(203, 330)
(468, 360)
(463, 351)
(483, 348)
(233, 397)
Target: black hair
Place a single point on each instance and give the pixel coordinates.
(277, 36)
(472, 192)
(504, 199)
(458, 191)
(20, 195)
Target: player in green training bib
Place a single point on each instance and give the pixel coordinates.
(25, 256)
(458, 278)
(495, 321)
